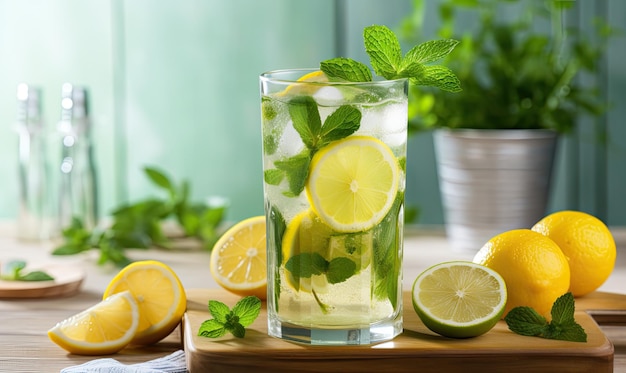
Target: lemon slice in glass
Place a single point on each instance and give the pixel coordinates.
(459, 299)
(306, 233)
(353, 182)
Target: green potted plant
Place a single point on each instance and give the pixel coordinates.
(495, 141)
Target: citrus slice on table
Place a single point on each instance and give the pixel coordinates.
(102, 329)
(459, 299)
(239, 260)
(353, 182)
(159, 294)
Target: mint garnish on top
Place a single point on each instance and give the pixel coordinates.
(385, 53)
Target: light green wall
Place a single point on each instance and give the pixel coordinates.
(174, 84)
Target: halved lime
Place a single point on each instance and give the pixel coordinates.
(459, 299)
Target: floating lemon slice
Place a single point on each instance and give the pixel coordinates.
(317, 76)
(159, 295)
(353, 182)
(103, 329)
(239, 260)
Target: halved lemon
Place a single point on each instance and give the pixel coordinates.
(239, 260)
(459, 299)
(353, 182)
(159, 294)
(102, 329)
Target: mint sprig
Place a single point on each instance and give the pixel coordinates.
(307, 122)
(14, 271)
(232, 321)
(526, 321)
(385, 52)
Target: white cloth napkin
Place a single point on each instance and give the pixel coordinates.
(174, 363)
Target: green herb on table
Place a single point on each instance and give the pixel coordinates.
(14, 271)
(526, 321)
(232, 321)
(139, 225)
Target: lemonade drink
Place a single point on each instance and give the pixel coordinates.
(334, 177)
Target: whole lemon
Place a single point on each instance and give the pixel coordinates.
(586, 242)
(533, 266)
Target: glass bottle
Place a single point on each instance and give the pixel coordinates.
(78, 197)
(32, 220)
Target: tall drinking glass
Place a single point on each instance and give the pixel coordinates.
(334, 156)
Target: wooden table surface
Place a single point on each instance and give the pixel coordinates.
(25, 347)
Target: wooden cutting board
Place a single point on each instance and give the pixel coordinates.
(416, 349)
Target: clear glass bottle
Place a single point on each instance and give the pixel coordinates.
(78, 197)
(33, 217)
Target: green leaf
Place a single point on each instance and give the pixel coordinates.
(340, 269)
(306, 119)
(526, 321)
(438, 76)
(563, 310)
(212, 329)
(306, 265)
(36, 276)
(296, 170)
(247, 309)
(219, 310)
(346, 69)
(273, 176)
(430, 51)
(159, 178)
(342, 123)
(571, 332)
(238, 330)
(383, 48)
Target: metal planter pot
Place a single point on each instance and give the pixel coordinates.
(492, 181)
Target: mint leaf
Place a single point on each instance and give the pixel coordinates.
(430, 51)
(218, 310)
(296, 170)
(342, 123)
(563, 310)
(340, 269)
(244, 313)
(273, 176)
(247, 309)
(306, 119)
(383, 48)
(306, 265)
(572, 332)
(13, 271)
(212, 329)
(526, 321)
(159, 179)
(438, 76)
(238, 330)
(36, 276)
(346, 69)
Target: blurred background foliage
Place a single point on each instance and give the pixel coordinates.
(174, 85)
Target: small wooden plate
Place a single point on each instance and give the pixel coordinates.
(67, 281)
